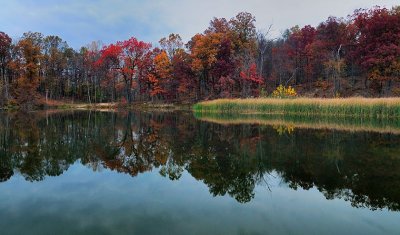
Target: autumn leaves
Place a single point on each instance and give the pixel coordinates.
(230, 59)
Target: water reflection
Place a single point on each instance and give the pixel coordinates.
(360, 167)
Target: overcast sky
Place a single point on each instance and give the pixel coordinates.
(81, 21)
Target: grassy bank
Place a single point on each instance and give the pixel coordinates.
(346, 107)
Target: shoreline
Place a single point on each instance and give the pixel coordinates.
(106, 107)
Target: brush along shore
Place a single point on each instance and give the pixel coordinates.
(351, 107)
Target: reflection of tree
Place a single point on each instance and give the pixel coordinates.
(357, 167)
(40, 148)
(362, 168)
(6, 165)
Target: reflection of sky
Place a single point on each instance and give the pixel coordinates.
(108, 202)
(80, 22)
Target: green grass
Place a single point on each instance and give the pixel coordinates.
(348, 107)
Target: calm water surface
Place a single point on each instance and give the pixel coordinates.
(168, 173)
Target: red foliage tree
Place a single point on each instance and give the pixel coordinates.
(131, 59)
(251, 80)
(377, 44)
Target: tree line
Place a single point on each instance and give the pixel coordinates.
(231, 58)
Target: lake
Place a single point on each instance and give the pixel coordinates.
(87, 172)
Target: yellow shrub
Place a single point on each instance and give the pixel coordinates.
(283, 92)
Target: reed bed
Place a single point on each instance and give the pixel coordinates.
(344, 107)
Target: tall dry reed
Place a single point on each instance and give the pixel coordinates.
(354, 107)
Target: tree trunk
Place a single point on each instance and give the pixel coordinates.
(88, 91)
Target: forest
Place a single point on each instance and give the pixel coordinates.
(358, 55)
